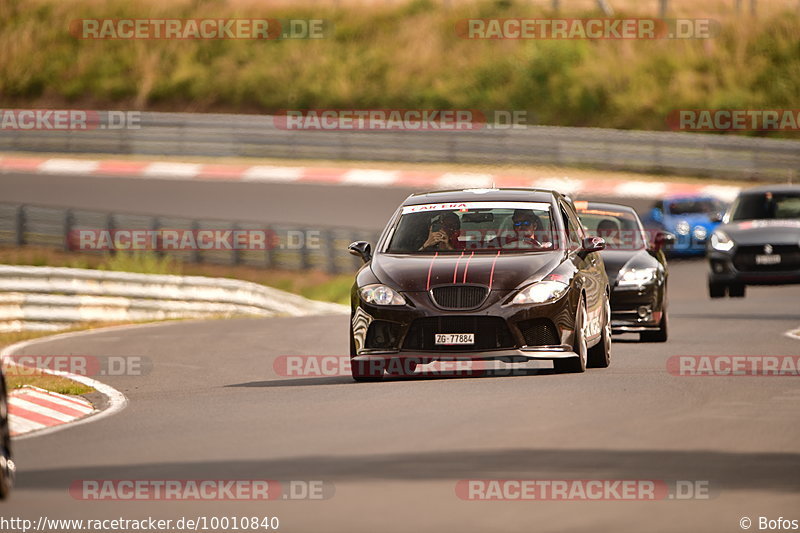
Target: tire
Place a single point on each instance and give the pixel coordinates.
(576, 365)
(6, 464)
(599, 355)
(716, 289)
(659, 335)
(365, 371)
(736, 290)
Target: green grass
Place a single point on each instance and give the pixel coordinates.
(336, 290)
(17, 377)
(393, 56)
(142, 263)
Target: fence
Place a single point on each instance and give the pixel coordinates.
(49, 298)
(185, 134)
(293, 248)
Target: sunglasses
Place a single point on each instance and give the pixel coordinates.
(523, 223)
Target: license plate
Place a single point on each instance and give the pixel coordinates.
(771, 259)
(455, 338)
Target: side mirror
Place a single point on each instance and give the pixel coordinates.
(663, 239)
(362, 249)
(593, 244)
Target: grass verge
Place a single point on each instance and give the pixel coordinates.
(396, 56)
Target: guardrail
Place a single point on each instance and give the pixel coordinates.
(185, 134)
(289, 247)
(48, 298)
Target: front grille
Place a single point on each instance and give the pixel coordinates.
(491, 333)
(382, 335)
(459, 296)
(539, 332)
(745, 258)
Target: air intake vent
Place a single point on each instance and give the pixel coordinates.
(539, 332)
(459, 296)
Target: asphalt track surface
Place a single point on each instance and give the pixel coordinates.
(302, 204)
(213, 407)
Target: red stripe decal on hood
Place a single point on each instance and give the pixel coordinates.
(466, 267)
(455, 270)
(491, 275)
(430, 268)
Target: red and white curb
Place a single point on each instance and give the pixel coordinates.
(412, 179)
(32, 409)
(115, 400)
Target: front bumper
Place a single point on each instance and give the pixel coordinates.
(724, 270)
(636, 308)
(507, 356)
(511, 333)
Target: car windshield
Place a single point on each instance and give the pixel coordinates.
(620, 229)
(767, 205)
(474, 227)
(694, 206)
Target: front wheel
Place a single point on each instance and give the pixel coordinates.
(659, 335)
(736, 290)
(716, 289)
(576, 365)
(599, 356)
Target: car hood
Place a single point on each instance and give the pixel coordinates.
(617, 260)
(504, 272)
(753, 232)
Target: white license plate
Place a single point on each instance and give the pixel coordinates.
(771, 259)
(455, 338)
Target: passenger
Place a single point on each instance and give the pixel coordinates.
(443, 233)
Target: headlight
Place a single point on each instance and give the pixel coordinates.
(682, 228)
(381, 295)
(699, 233)
(720, 241)
(634, 276)
(541, 292)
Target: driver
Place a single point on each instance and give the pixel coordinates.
(526, 223)
(443, 233)
(609, 231)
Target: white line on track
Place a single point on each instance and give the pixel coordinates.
(793, 334)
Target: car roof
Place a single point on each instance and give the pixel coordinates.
(771, 188)
(482, 195)
(608, 206)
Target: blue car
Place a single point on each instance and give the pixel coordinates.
(692, 219)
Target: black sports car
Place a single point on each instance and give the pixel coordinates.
(636, 269)
(481, 274)
(758, 242)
